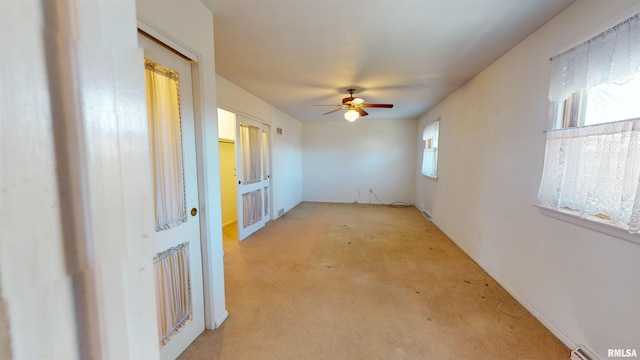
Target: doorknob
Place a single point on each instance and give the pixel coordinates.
(194, 211)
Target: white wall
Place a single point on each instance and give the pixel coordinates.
(343, 160)
(286, 150)
(228, 184)
(226, 125)
(188, 25)
(75, 216)
(581, 284)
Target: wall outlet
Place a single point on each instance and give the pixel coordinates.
(281, 212)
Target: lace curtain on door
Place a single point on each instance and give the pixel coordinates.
(251, 207)
(250, 147)
(173, 291)
(265, 170)
(163, 108)
(251, 173)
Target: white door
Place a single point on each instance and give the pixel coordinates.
(253, 175)
(178, 264)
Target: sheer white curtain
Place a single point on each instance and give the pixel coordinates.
(430, 153)
(251, 207)
(613, 56)
(163, 109)
(250, 148)
(251, 173)
(594, 170)
(265, 155)
(265, 170)
(173, 291)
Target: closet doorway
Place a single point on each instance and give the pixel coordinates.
(227, 148)
(228, 184)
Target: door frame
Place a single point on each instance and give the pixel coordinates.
(207, 165)
(269, 150)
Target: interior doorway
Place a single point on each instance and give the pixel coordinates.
(228, 188)
(245, 174)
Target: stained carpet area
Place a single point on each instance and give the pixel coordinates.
(348, 281)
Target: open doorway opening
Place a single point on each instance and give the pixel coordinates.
(228, 184)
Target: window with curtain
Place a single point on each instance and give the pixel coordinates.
(430, 153)
(165, 135)
(592, 156)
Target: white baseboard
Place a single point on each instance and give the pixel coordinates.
(222, 318)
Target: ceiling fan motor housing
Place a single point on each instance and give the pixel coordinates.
(347, 100)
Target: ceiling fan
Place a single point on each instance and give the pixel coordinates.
(354, 106)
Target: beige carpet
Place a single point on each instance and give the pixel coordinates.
(346, 281)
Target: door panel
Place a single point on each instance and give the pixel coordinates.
(253, 175)
(179, 289)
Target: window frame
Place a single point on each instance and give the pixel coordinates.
(605, 58)
(592, 223)
(571, 113)
(431, 145)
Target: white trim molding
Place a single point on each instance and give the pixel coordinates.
(591, 223)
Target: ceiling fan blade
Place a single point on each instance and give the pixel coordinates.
(356, 104)
(361, 111)
(388, 106)
(332, 111)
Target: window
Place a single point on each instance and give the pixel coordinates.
(601, 104)
(592, 155)
(430, 155)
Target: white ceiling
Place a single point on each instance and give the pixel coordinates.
(297, 53)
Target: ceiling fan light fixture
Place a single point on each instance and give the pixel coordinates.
(355, 107)
(351, 115)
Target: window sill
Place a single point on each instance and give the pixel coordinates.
(591, 223)
(434, 178)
